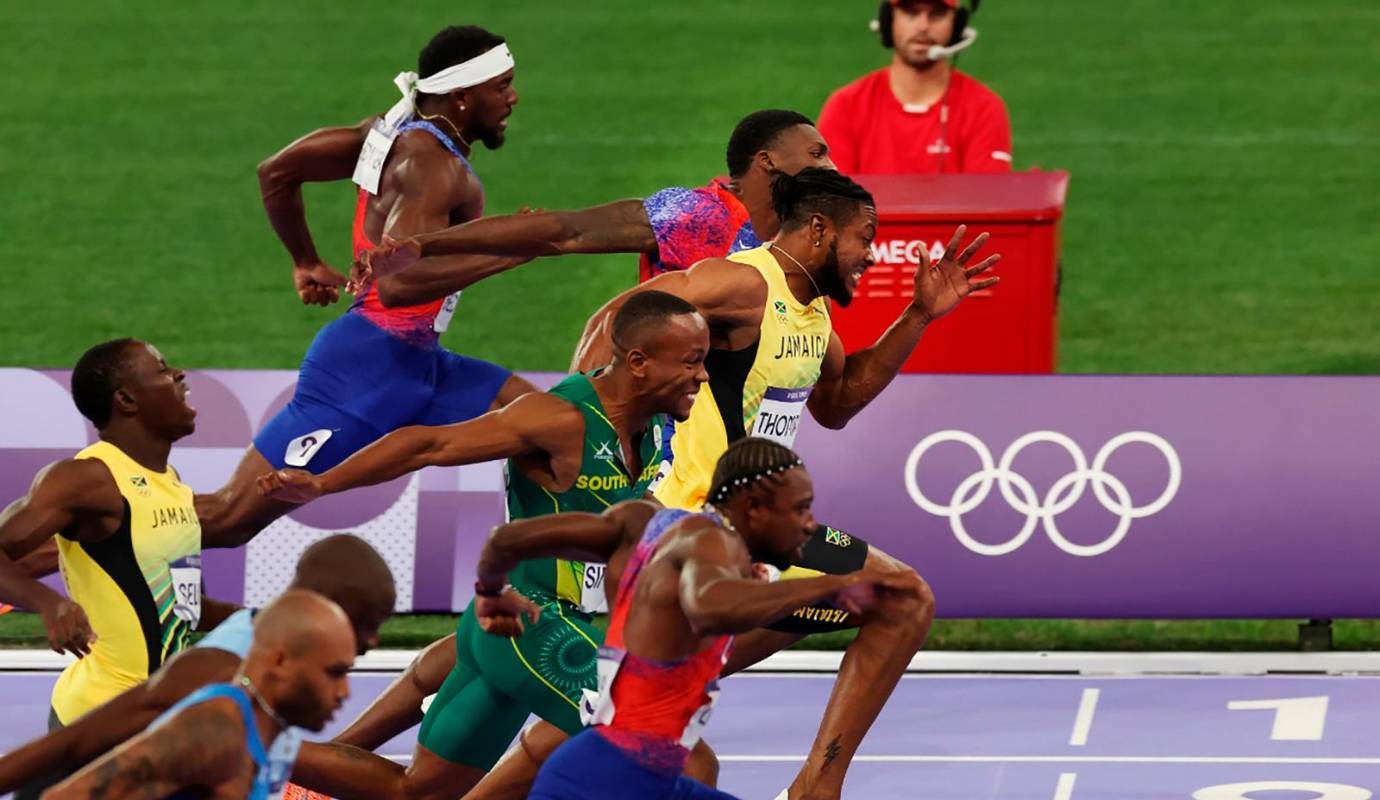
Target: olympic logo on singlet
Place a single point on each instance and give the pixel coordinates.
(1018, 492)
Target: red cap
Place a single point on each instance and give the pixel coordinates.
(949, 3)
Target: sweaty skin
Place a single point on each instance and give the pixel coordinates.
(618, 227)
(423, 187)
(544, 435)
(80, 498)
(715, 591)
(342, 568)
(732, 296)
(302, 653)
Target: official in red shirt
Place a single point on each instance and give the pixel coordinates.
(918, 114)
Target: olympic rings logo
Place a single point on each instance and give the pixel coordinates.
(1062, 495)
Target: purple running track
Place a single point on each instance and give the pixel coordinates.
(969, 737)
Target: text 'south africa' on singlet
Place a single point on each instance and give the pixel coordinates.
(140, 587)
(603, 481)
(757, 391)
(654, 711)
(420, 324)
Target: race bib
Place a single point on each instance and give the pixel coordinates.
(371, 157)
(186, 586)
(592, 597)
(778, 417)
(447, 311)
(300, 451)
(281, 756)
(597, 707)
(694, 729)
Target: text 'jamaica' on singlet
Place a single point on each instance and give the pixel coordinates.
(760, 390)
(140, 587)
(603, 481)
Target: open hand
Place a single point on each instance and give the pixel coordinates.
(69, 631)
(940, 286)
(317, 284)
(291, 485)
(502, 616)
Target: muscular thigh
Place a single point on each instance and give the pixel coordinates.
(548, 668)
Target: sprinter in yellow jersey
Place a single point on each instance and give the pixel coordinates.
(128, 540)
(773, 354)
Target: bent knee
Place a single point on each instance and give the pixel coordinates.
(913, 605)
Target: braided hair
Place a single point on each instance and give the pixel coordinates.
(746, 462)
(816, 190)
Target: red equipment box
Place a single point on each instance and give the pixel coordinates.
(1009, 328)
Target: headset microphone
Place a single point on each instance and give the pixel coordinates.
(939, 51)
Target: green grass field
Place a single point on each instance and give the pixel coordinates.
(1222, 215)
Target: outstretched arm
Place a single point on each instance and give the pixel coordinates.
(532, 423)
(109, 724)
(618, 227)
(60, 493)
(201, 747)
(848, 383)
(430, 185)
(328, 154)
(348, 773)
(727, 294)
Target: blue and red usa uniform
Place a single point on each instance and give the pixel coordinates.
(376, 369)
(649, 713)
(691, 225)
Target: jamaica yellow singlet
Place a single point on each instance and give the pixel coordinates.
(757, 391)
(140, 588)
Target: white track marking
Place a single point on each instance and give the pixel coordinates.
(1082, 723)
(1297, 719)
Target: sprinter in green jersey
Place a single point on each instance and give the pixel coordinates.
(589, 443)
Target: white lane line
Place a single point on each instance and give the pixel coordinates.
(1082, 723)
(1064, 790)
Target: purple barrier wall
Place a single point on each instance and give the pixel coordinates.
(1080, 496)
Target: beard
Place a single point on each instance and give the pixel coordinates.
(493, 139)
(832, 283)
(298, 706)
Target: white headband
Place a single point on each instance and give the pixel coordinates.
(483, 67)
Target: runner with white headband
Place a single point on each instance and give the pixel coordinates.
(380, 366)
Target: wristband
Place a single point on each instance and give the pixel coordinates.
(481, 591)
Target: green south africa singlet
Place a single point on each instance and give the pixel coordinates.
(603, 481)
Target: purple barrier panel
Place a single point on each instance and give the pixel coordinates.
(1106, 496)
(1086, 496)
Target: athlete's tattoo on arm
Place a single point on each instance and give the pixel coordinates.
(203, 746)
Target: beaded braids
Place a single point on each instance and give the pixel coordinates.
(746, 462)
